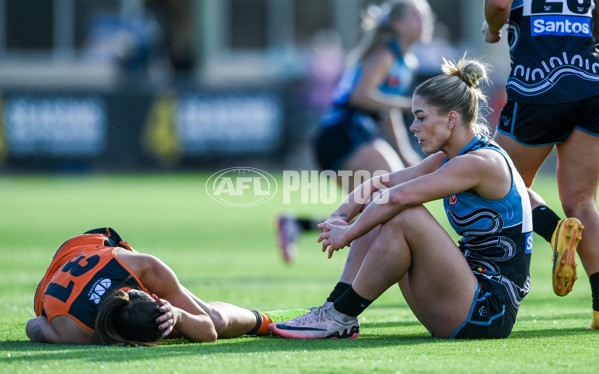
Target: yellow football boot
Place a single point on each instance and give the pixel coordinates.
(564, 241)
(595, 324)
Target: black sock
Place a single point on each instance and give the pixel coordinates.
(258, 323)
(351, 303)
(544, 221)
(308, 224)
(339, 289)
(594, 280)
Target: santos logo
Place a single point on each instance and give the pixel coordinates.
(560, 25)
(241, 186)
(529, 242)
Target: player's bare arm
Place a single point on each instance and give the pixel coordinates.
(62, 330)
(481, 172)
(497, 13)
(367, 94)
(39, 330)
(192, 321)
(355, 202)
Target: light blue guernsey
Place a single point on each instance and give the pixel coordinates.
(398, 82)
(496, 234)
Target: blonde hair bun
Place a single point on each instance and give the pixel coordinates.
(469, 70)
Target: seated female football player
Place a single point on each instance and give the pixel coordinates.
(471, 290)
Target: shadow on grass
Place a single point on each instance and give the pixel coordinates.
(569, 316)
(398, 306)
(389, 324)
(550, 333)
(23, 351)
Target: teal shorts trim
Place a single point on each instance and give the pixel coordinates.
(488, 318)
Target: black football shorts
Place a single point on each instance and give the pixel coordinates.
(336, 142)
(546, 124)
(489, 317)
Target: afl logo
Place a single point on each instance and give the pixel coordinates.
(453, 200)
(241, 187)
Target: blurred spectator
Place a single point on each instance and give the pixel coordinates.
(134, 40)
(326, 61)
(430, 53)
(150, 41)
(368, 104)
(174, 18)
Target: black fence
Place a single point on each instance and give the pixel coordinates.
(123, 131)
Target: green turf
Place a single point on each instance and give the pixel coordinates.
(229, 254)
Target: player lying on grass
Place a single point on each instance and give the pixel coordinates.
(99, 290)
(472, 290)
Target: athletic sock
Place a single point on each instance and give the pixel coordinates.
(307, 224)
(544, 221)
(339, 289)
(262, 322)
(594, 280)
(351, 303)
(263, 329)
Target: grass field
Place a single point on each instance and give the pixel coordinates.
(229, 254)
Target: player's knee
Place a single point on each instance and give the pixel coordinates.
(409, 216)
(219, 320)
(575, 205)
(404, 222)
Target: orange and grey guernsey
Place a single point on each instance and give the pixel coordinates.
(84, 269)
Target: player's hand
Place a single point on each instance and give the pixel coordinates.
(333, 237)
(334, 221)
(169, 317)
(490, 37)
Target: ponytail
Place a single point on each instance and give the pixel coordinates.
(127, 318)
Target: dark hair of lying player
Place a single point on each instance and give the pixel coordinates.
(128, 318)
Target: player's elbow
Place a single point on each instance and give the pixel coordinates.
(211, 336)
(198, 328)
(206, 333)
(397, 198)
(29, 330)
(34, 331)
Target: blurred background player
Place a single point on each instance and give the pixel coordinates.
(470, 291)
(99, 290)
(553, 100)
(368, 105)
